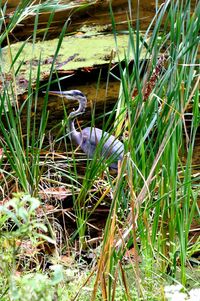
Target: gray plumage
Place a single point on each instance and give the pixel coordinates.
(89, 138)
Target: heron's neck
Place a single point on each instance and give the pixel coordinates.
(74, 134)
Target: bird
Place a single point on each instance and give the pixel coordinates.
(90, 137)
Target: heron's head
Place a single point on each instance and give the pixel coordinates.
(71, 94)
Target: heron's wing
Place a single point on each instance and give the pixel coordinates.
(91, 137)
(90, 140)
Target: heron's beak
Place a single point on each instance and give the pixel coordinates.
(56, 92)
(67, 94)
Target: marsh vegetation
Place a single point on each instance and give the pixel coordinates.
(71, 228)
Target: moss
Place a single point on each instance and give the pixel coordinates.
(76, 52)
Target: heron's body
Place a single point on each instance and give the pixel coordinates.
(89, 138)
(110, 146)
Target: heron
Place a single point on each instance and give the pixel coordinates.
(89, 138)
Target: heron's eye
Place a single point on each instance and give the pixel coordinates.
(78, 93)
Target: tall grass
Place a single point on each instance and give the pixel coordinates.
(23, 146)
(161, 190)
(153, 198)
